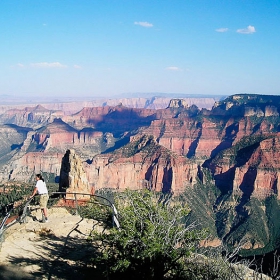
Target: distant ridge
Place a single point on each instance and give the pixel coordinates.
(72, 105)
(6, 99)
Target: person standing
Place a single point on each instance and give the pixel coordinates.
(42, 190)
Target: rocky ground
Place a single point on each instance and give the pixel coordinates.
(54, 250)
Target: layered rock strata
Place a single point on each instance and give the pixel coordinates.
(140, 164)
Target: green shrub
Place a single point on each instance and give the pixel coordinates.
(153, 241)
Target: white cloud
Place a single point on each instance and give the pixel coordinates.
(77, 66)
(222, 29)
(20, 65)
(143, 23)
(48, 65)
(248, 30)
(173, 68)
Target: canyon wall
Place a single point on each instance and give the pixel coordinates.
(152, 166)
(197, 136)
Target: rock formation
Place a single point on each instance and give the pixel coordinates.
(73, 178)
(140, 164)
(227, 156)
(181, 129)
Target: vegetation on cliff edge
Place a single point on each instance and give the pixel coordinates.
(155, 241)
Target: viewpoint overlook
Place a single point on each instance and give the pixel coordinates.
(221, 158)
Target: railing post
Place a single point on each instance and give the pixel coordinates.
(76, 204)
(25, 212)
(1, 237)
(113, 216)
(2, 228)
(4, 221)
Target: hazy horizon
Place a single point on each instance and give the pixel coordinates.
(6, 99)
(106, 48)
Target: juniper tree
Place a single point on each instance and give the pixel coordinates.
(153, 241)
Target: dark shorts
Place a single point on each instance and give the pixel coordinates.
(43, 200)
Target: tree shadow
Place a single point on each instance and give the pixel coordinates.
(13, 272)
(62, 258)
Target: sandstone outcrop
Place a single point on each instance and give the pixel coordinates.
(140, 164)
(73, 178)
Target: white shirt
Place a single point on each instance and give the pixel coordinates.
(41, 187)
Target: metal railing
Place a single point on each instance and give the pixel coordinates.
(18, 218)
(3, 223)
(76, 203)
(24, 213)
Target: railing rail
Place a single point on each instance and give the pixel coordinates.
(9, 209)
(111, 204)
(4, 222)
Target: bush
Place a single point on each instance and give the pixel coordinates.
(153, 241)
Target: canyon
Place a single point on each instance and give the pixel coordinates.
(223, 158)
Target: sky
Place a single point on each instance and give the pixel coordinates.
(103, 48)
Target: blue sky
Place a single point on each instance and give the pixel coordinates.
(108, 47)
